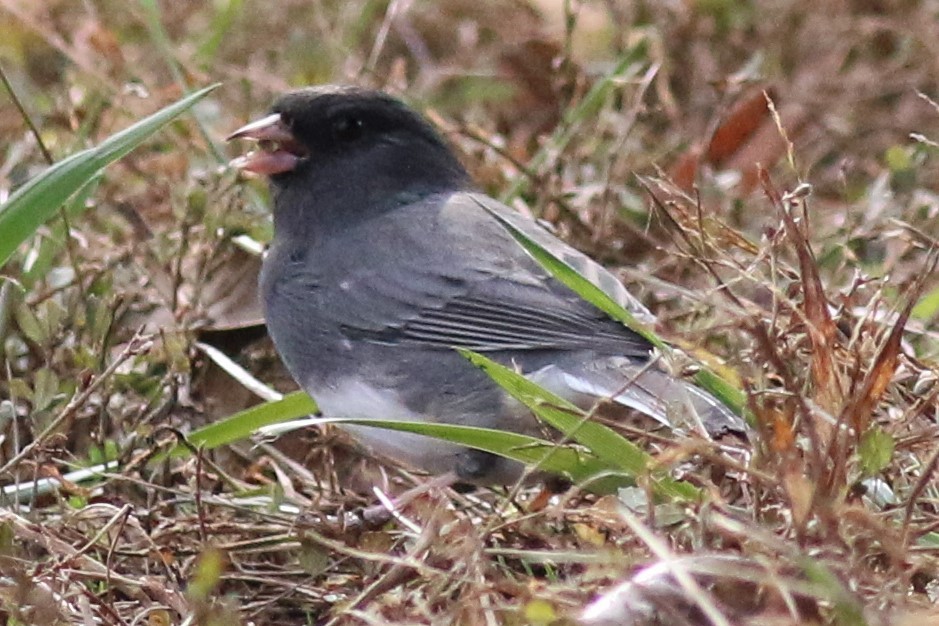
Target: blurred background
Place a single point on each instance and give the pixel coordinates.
(635, 128)
(568, 110)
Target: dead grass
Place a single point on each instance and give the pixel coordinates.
(819, 299)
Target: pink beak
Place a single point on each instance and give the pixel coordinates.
(272, 133)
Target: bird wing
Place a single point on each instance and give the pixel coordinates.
(503, 314)
(580, 262)
(448, 274)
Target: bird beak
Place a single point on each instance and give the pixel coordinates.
(279, 150)
(270, 128)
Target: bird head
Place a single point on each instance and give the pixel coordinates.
(352, 137)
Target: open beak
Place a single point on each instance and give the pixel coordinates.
(278, 150)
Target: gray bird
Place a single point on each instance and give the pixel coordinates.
(385, 258)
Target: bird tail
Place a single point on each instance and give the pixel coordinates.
(675, 403)
(682, 403)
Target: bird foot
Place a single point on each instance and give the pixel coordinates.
(392, 508)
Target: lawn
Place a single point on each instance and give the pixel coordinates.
(762, 175)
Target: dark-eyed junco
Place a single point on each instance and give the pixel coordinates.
(385, 258)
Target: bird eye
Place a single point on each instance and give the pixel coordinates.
(348, 128)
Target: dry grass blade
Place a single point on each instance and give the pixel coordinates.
(828, 386)
(865, 400)
(575, 109)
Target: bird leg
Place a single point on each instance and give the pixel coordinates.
(388, 508)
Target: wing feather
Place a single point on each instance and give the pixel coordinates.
(482, 292)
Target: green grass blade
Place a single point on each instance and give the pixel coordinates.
(612, 449)
(577, 283)
(577, 465)
(928, 306)
(35, 202)
(245, 423)
(225, 16)
(629, 64)
(155, 23)
(45, 249)
(732, 397)
(605, 443)
(724, 391)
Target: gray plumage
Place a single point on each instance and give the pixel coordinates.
(384, 259)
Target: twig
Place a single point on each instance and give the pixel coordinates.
(26, 117)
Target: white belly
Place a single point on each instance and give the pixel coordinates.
(355, 399)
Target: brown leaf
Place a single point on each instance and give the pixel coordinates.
(68, 487)
(800, 491)
(745, 140)
(540, 501)
(230, 295)
(684, 171)
(535, 107)
(783, 436)
(747, 115)
(766, 146)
